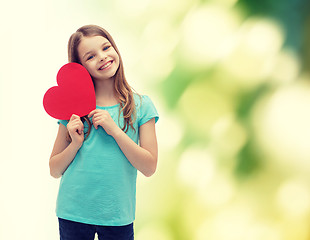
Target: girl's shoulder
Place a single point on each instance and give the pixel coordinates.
(141, 100)
(145, 108)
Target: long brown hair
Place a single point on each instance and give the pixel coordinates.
(123, 91)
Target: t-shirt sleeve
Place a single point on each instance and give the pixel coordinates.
(147, 111)
(63, 122)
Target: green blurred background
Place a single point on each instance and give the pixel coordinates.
(232, 78)
(231, 82)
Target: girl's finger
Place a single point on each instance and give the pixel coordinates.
(73, 117)
(92, 113)
(74, 123)
(80, 131)
(81, 128)
(78, 128)
(96, 118)
(77, 125)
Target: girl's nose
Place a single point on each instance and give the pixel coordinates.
(102, 56)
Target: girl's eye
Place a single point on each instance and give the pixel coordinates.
(106, 48)
(90, 57)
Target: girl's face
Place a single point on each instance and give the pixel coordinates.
(99, 57)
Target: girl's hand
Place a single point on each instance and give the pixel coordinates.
(76, 130)
(102, 118)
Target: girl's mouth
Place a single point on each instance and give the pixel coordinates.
(105, 65)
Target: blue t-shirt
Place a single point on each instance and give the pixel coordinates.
(99, 186)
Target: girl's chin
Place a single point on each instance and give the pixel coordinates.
(104, 78)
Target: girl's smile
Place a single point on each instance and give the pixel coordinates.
(106, 66)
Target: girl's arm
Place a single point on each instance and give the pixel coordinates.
(143, 157)
(63, 151)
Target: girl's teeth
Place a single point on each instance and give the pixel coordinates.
(106, 65)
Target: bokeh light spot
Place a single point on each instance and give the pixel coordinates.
(282, 125)
(293, 198)
(206, 31)
(197, 168)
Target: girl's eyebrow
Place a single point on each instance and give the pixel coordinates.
(92, 50)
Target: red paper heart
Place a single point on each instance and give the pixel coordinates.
(75, 93)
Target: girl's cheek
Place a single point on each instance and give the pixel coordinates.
(87, 68)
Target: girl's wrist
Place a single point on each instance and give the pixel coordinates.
(76, 145)
(117, 132)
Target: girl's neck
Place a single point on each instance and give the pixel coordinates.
(105, 93)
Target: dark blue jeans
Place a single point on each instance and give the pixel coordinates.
(70, 230)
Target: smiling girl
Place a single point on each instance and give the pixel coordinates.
(97, 192)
